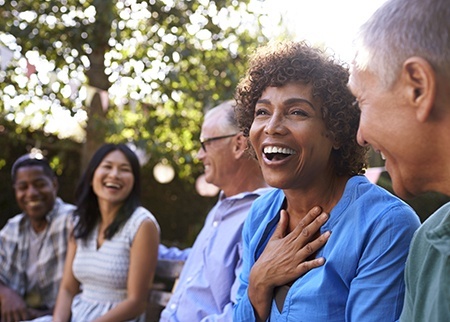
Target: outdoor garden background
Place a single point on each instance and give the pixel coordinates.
(76, 74)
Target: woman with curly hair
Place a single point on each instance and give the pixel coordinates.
(302, 120)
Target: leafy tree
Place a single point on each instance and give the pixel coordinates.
(161, 64)
(161, 61)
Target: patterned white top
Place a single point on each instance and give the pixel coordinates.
(103, 272)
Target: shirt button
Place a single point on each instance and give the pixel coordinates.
(215, 224)
(189, 279)
(173, 306)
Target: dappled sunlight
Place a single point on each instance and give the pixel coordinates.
(165, 62)
(326, 23)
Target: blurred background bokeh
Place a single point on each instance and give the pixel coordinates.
(77, 73)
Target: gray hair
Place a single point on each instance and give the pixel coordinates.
(400, 29)
(225, 109)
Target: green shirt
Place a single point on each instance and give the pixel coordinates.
(427, 273)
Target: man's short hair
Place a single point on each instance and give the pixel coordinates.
(28, 160)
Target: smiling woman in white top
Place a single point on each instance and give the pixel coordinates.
(112, 253)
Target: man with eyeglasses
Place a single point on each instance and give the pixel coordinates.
(33, 244)
(208, 283)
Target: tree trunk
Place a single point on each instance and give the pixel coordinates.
(96, 128)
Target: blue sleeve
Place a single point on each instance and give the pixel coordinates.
(173, 253)
(243, 309)
(377, 291)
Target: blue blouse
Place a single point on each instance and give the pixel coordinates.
(362, 278)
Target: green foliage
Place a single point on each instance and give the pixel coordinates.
(163, 62)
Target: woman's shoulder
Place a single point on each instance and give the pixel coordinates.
(139, 215)
(361, 188)
(380, 205)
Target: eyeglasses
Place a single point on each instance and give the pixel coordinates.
(215, 138)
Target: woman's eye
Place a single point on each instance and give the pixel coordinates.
(299, 112)
(260, 111)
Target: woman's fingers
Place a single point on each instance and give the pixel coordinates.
(306, 266)
(287, 256)
(309, 225)
(313, 246)
(280, 230)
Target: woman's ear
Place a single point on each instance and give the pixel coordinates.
(420, 78)
(336, 145)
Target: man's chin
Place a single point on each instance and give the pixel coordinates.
(208, 178)
(37, 214)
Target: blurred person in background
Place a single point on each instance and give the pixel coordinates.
(112, 252)
(208, 283)
(33, 244)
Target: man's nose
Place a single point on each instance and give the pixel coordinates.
(200, 153)
(360, 138)
(32, 190)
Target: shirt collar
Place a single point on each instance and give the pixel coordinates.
(242, 195)
(439, 237)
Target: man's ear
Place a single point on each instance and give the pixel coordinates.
(241, 145)
(420, 78)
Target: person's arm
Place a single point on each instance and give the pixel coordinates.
(143, 259)
(12, 305)
(173, 253)
(36, 313)
(283, 260)
(69, 286)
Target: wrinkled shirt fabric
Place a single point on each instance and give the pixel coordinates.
(208, 282)
(362, 278)
(427, 273)
(14, 249)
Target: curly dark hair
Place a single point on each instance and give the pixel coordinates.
(278, 64)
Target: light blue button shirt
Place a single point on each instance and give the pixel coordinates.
(208, 283)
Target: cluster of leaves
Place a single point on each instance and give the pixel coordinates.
(163, 62)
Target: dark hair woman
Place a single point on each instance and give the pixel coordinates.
(112, 253)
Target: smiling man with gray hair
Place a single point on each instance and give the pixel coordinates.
(401, 77)
(209, 280)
